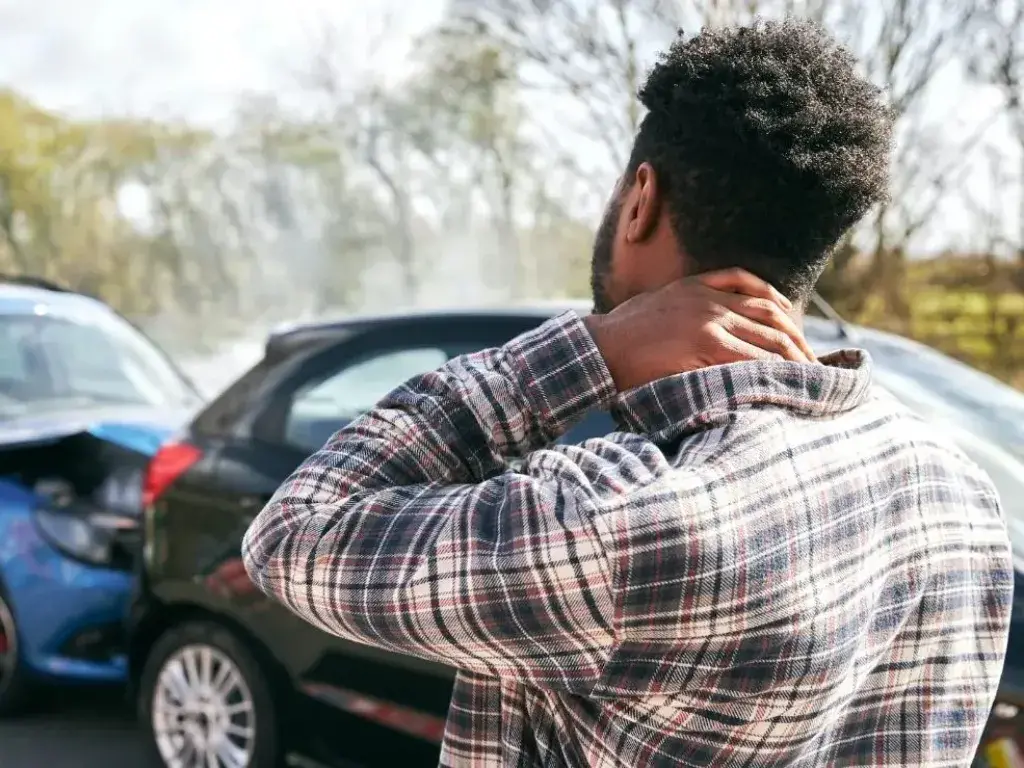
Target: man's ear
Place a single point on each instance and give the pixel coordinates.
(644, 207)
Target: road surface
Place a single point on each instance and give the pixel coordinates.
(85, 728)
(74, 729)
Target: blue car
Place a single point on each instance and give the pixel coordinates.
(85, 400)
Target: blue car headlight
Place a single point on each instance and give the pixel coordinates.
(89, 538)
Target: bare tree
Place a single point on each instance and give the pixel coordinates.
(588, 54)
(365, 119)
(468, 115)
(904, 46)
(593, 55)
(998, 60)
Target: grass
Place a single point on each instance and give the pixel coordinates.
(984, 330)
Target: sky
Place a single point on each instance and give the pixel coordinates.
(193, 58)
(181, 57)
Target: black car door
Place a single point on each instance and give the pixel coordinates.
(320, 393)
(305, 400)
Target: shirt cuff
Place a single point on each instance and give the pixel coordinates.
(561, 372)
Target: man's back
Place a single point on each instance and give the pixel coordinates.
(869, 567)
(805, 580)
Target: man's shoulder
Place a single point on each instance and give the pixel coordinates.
(943, 441)
(880, 442)
(938, 457)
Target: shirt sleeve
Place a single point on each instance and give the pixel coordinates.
(407, 533)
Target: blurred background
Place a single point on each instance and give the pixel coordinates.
(211, 168)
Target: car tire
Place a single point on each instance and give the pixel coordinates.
(180, 722)
(15, 686)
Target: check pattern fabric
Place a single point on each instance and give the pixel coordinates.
(771, 564)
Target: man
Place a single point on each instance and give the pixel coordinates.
(770, 564)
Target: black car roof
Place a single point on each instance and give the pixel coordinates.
(289, 337)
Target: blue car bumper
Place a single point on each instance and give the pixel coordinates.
(69, 615)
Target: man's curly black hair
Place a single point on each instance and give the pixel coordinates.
(767, 145)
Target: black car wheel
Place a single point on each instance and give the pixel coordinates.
(13, 683)
(206, 701)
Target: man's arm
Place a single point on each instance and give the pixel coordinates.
(393, 535)
(390, 535)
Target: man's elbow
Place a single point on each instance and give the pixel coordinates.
(259, 544)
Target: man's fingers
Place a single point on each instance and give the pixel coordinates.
(768, 313)
(767, 338)
(738, 280)
(732, 349)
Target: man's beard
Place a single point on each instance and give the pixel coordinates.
(601, 259)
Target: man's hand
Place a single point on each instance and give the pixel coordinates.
(727, 316)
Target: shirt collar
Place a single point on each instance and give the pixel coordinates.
(689, 402)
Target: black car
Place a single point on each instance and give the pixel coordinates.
(218, 668)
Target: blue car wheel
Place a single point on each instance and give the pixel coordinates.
(13, 685)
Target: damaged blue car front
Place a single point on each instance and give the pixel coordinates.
(85, 401)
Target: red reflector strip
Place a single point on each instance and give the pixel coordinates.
(394, 716)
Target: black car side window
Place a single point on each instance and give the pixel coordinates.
(323, 406)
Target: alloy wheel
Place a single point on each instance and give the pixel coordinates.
(203, 715)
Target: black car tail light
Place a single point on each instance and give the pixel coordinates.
(167, 465)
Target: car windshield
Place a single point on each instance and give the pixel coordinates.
(55, 362)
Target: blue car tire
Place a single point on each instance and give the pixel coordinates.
(14, 685)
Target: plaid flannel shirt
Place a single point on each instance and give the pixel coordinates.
(772, 564)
